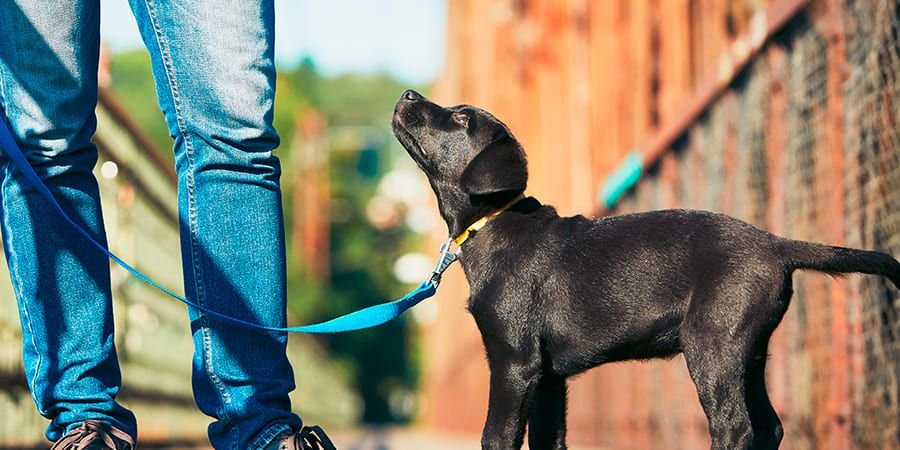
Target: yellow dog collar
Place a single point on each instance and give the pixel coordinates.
(480, 223)
(449, 256)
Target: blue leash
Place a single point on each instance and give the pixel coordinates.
(364, 318)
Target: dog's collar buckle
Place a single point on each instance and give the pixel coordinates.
(448, 257)
(444, 261)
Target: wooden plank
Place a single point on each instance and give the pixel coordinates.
(605, 130)
(838, 404)
(552, 97)
(728, 65)
(579, 107)
(674, 56)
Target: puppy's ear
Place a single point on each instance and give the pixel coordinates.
(499, 167)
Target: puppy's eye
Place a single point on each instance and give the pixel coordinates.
(461, 118)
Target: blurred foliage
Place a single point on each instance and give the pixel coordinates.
(133, 85)
(357, 108)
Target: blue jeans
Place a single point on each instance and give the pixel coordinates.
(215, 77)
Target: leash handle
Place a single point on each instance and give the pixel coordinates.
(364, 318)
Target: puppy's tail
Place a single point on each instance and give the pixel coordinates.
(839, 260)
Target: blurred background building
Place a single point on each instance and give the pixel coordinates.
(780, 112)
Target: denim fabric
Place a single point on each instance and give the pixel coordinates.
(215, 78)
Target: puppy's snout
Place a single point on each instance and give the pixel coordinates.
(411, 96)
(408, 109)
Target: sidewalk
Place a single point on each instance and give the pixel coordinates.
(387, 439)
(402, 439)
(411, 439)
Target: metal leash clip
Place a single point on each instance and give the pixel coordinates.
(447, 257)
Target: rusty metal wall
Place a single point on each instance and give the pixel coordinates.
(804, 142)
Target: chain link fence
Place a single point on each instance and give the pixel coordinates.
(871, 189)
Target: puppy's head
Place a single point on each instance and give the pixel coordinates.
(471, 159)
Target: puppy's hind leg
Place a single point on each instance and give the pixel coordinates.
(720, 385)
(767, 429)
(547, 416)
(717, 345)
(725, 330)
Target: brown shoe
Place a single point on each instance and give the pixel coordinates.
(95, 435)
(309, 438)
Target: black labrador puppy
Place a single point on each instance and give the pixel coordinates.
(554, 296)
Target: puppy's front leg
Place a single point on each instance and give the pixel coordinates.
(512, 387)
(547, 416)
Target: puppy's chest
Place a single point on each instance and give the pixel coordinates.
(486, 267)
(500, 284)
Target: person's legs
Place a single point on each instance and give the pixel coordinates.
(214, 67)
(48, 91)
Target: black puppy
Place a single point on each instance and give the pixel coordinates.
(554, 296)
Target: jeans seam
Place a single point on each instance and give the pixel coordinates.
(16, 279)
(3, 92)
(165, 56)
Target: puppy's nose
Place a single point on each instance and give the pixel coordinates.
(411, 95)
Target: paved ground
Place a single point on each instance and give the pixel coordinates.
(402, 439)
(369, 439)
(386, 439)
(355, 439)
(411, 439)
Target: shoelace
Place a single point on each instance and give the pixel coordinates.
(313, 438)
(90, 432)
